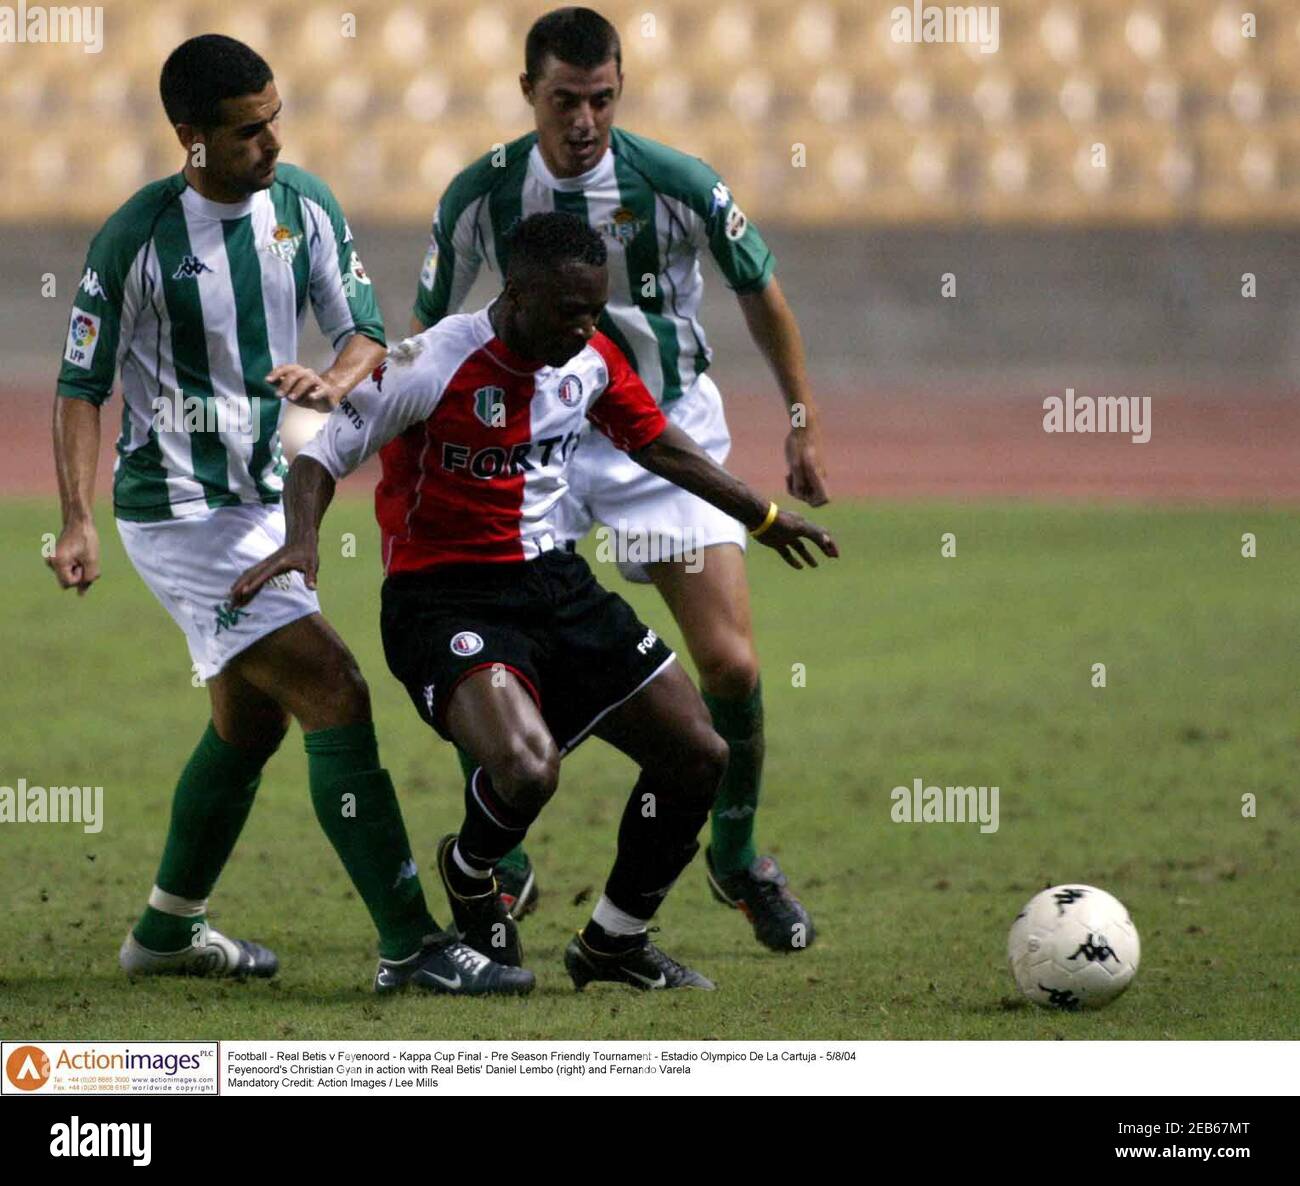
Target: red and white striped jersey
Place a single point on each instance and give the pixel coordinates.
(474, 440)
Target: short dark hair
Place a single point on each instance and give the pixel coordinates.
(202, 71)
(546, 242)
(577, 36)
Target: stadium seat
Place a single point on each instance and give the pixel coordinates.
(1202, 120)
(1248, 174)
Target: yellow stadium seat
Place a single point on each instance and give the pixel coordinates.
(78, 174)
(1249, 175)
(878, 172)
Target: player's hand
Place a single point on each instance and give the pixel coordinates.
(302, 386)
(787, 535)
(303, 558)
(806, 479)
(76, 557)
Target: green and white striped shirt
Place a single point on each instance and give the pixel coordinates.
(657, 209)
(196, 301)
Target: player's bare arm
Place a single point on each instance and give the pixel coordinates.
(76, 453)
(308, 492)
(324, 392)
(678, 459)
(775, 331)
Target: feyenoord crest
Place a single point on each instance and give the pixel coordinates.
(490, 406)
(466, 643)
(570, 391)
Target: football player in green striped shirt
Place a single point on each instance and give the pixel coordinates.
(659, 211)
(195, 291)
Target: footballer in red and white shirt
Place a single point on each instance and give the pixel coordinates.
(505, 642)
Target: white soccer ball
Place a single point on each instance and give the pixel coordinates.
(1073, 947)
(298, 426)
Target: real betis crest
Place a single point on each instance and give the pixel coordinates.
(284, 243)
(623, 226)
(490, 406)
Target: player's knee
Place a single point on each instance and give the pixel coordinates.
(272, 731)
(713, 759)
(260, 732)
(528, 773)
(698, 767)
(729, 670)
(345, 695)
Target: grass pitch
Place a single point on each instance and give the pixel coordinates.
(970, 670)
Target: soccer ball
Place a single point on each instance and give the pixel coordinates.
(298, 425)
(1073, 947)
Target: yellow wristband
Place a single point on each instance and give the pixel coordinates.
(772, 511)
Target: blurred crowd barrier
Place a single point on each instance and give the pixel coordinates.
(817, 112)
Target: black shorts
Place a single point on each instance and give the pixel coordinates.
(579, 649)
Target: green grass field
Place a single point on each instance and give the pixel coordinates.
(968, 670)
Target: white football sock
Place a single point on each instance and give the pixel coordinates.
(614, 921)
(465, 867)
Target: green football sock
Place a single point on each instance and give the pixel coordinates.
(213, 798)
(357, 807)
(740, 724)
(516, 858)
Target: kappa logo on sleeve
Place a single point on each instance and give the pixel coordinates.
(83, 337)
(90, 284)
(430, 268)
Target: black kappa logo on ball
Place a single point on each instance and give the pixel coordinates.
(1067, 897)
(1061, 998)
(1096, 950)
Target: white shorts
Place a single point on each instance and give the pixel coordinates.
(644, 517)
(189, 564)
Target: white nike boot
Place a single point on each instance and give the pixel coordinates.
(217, 956)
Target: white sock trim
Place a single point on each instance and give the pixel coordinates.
(465, 867)
(473, 790)
(615, 921)
(182, 907)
